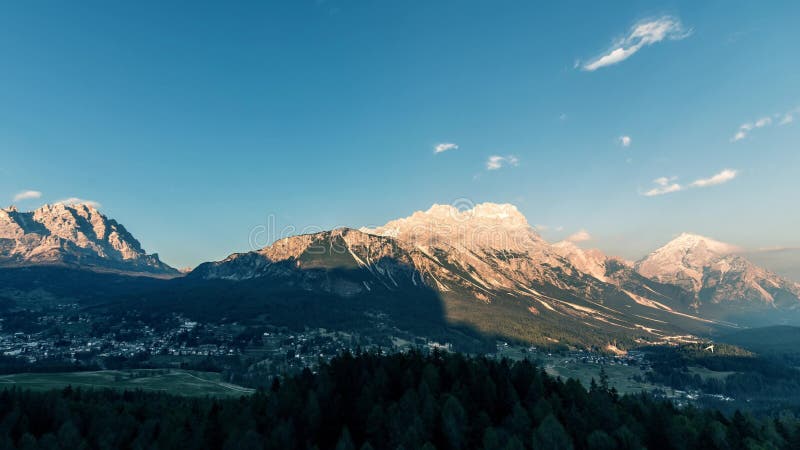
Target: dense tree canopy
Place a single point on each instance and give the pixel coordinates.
(401, 401)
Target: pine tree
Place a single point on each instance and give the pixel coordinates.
(550, 435)
(454, 423)
(603, 379)
(345, 441)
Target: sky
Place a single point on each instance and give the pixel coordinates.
(621, 124)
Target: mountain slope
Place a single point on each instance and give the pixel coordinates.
(773, 340)
(483, 269)
(489, 268)
(717, 276)
(320, 261)
(72, 235)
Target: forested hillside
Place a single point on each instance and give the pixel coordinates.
(401, 401)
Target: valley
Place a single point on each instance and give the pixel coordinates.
(478, 281)
(173, 381)
(399, 225)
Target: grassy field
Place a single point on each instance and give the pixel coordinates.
(706, 373)
(172, 381)
(619, 376)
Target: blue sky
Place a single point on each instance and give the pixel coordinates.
(192, 123)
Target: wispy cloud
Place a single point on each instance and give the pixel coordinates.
(664, 185)
(719, 178)
(497, 162)
(624, 141)
(779, 248)
(580, 236)
(668, 185)
(445, 146)
(644, 33)
(77, 201)
(746, 128)
(27, 195)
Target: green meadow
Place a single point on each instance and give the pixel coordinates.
(172, 381)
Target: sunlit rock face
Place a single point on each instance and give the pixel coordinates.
(715, 271)
(488, 256)
(76, 234)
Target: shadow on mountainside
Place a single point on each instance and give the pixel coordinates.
(343, 298)
(338, 296)
(68, 284)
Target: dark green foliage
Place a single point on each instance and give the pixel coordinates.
(776, 341)
(600, 440)
(550, 435)
(374, 402)
(762, 383)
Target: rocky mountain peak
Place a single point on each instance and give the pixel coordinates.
(504, 213)
(682, 260)
(489, 255)
(483, 226)
(700, 264)
(694, 242)
(72, 234)
(590, 261)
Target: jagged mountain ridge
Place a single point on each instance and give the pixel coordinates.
(715, 273)
(72, 235)
(487, 264)
(314, 261)
(448, 248)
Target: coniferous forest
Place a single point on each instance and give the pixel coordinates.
(400, 401)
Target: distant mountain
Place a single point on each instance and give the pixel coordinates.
(717, 275)
(784, 261)
(482, 271)
(591, 261)
(490, 270)
(72, 235)
(330, 261)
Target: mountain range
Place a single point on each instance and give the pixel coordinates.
(72, 235)
(484, 269)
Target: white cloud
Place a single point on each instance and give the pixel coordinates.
(27, 195)
(668, 185)
(777, 248)
(624, 141)
(496, 162)
(77, 201)
(746, 128)
(762, 122)
(663, 181)
(722, 177)
(640, 35)
(445, 146)
(580, 236)
(544, 228)
(664, 188)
